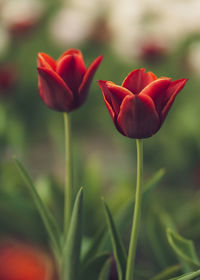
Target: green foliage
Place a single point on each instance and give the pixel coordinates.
(188, 276)
(94, 246)
(168, 272)
(48, 220)
(72, 247)
(104, 274)
(118, 248)
(184, 249)
(94, 267)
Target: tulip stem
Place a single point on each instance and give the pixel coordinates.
(137, 213)
(68, 175)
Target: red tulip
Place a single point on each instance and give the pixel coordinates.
(152, 52)
(139, 106)
(8, 78)
(22, 27)
(21, 261)
(64, 84)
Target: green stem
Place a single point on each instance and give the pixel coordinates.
(136, 216)
(68, 175)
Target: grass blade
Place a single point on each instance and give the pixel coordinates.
(188, 276)
(184, 249)
(48, 220)
(71, 257)
(119, 251)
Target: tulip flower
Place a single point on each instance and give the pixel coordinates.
(64, 84)
(20, 17)
(21, 261)
(152, 52)
(8, 78)
(140, 105)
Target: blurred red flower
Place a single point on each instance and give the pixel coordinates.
(139, 107)
(8, 77)
(64, 84)
(21, 261)
(22, 28)
(152, 52)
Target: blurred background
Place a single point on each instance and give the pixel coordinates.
(162, 36)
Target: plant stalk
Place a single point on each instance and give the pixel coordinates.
(68, 200)
(137, 213)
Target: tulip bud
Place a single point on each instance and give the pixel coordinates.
(64, 84)
(140, 105)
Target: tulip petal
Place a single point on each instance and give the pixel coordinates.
(70, 52)
(172, 92)
(137, 80)
(72, 69)
(44, 60)
(113, 94)
(53, 90)
(157, 90)
(117, 95)
(85, 84)
(138, 117)
(106, 97)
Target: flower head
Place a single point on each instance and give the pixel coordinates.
(20, 17)
(64, 84)
(140, 105)
(8, 78)
(19, 260)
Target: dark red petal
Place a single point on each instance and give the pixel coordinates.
(106, 97)
(157, 90)
(172, 92)
(117, 95)
(87, 79)
(44, 60)
(137, 80)
(72, 69)
(70, 52)
(53, 90)
(138, 117)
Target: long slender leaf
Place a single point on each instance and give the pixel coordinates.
(184, 249)
(94, 246)
(168, 272)
(188, 276)
(71, 256)
(125, 212)
(48, 220)
(153, 181)
(94, 266)
(105, 271)
(119, 251)
(157, 221)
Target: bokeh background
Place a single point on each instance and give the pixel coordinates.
(162, 36)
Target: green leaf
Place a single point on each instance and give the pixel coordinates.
(125, 212)
(71, 256)
(119, 251)
(188, 276)
(153, 181)
(168, 272)
(105, 271)
(94, 266)
(184, 249)
(94, 246)
(48, 220)
(157, 220)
